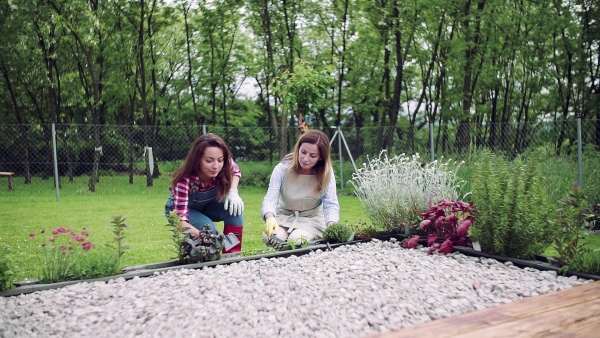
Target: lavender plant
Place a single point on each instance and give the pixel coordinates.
(394, 191)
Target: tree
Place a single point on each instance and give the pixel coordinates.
(300, 92)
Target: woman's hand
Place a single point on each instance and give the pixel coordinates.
(188, 228)
(234, 203)
(271, 226)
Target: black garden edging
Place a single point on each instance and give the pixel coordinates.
(147, 270)
(541, 263)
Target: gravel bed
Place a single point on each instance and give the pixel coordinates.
(352, 291)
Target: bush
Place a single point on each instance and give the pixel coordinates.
(447, 223)
(587, 262)
(256, 174)
(569, 225)
(7, 268)
(338, 233)
(513, 208)
(394, 191)
(98, 263)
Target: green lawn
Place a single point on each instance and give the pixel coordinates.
(30, 208)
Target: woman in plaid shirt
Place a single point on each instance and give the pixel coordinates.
(204, 190)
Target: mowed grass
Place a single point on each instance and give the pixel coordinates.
(30, 208)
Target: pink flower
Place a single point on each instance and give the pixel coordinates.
(411, 243)
(463, 228)
(431, 238)
(446, 247)
(86, 246)
(60, 230)
(32, 235)
(55, 232)
(85, 233)
(78, 238)
(425, 223)
(432, 248)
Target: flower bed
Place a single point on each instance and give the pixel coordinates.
(352, 291)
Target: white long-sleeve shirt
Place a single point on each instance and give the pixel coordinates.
(331, 207)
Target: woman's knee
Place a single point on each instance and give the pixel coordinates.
(198, 220)
(298, 234)
(281, 234)
(233, 220)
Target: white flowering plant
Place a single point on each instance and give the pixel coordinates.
(394, 191)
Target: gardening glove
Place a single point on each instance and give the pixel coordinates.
(234, 203)
(271, 226)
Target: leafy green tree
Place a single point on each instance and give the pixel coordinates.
(300, 92)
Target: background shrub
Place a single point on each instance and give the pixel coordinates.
(7, 268)
(337, 233)
(513, 208)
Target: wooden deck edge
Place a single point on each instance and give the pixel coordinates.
(539, 310)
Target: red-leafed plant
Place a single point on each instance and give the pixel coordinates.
(447, 224)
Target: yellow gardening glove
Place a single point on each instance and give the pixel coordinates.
(271, 226)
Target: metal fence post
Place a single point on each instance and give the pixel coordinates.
(579, 153)
(431, 141)
(55, 160)
(341, 159)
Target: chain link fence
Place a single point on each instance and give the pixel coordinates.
(28, 150)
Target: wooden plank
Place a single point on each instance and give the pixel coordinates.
(504, 313)
(580, 320)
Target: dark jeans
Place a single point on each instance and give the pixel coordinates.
(203, 208)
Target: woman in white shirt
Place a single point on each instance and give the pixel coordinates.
(301, 201)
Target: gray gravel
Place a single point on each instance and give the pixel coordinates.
(352, 291)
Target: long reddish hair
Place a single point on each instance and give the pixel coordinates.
(191, 165)
(323, 167)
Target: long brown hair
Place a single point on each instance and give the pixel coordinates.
(323, 167)
(191, 165)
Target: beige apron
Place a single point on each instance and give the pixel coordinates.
(300, 204)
